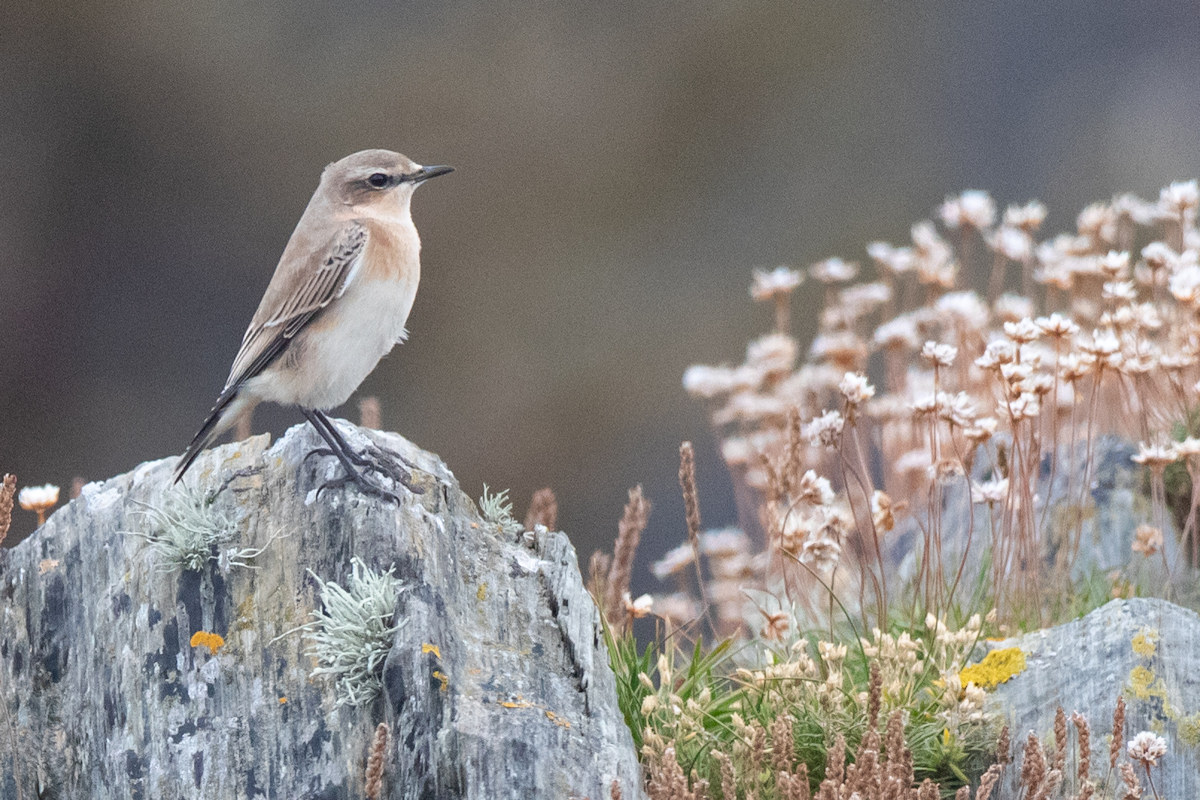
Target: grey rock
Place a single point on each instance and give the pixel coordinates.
(497, 684)
(1144, 650)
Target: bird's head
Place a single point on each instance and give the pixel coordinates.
(375, 180)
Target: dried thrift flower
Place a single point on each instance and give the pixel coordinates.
(1147, 748)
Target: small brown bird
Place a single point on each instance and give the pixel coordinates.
(335, 306)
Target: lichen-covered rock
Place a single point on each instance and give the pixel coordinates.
(497, 684)
(1144, 650)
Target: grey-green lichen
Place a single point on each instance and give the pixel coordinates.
(497, 509)
(353, 632)
(187, 531)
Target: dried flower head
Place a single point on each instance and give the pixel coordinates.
(779, 282)
(972, 208)
(1147, 748)
(39, 499)
(941, 355)
(855, 388)
(1147, 540)
(833, 270)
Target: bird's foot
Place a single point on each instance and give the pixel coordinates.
(381, 461)
(363, 485)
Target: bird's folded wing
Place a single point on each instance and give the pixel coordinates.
(310, 286)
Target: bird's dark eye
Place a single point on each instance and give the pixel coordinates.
(378, 180)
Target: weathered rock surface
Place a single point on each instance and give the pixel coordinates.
(1145, 650)
(497, 684)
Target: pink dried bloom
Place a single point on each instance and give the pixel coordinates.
(1012, 307)
(1147, 540)
(855, 388)
(990, 492)
(833, 270)
(965, 307)
(1120, 291)
(779, 282)
(1012, 243)
(1022, 331)
(972, 208)
(1146, 747)
(708, 382)
(899, 332)
(1028, 217)
(1180, 198)
(1057, 326)
(1158, 255)
(896, 260)
(825, 430)
(941, 355)
(674, 561)
(814, 489)
(1114, 264)
(1155, 456)
(772, 354)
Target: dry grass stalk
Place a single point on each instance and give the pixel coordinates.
(8, 489)
(989, 781)
(1118, 733)
(597, 583)
(370, 413)
(376, 761)
(1133, 786)
(1060, 739)
(728, 783)
(77, 484)
(629, 533)
(667, 781)
(1084, 732)
(1033, 767)
(543, 510)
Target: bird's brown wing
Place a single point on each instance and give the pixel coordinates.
(284, 314)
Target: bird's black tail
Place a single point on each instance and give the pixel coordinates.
(213, 426)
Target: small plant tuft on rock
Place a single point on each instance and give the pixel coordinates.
(352, 635)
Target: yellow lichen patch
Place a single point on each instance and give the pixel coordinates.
(47, 564)
(431, 648)
(1144, 684)
(557, 720)
(1145, 643)
(1189, 730)
(996, 668)
(444, 678)
(481, 593)
(213, 641)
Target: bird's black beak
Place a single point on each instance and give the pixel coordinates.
(425, 173)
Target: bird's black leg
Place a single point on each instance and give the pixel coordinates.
(373, 459)
(352, 474)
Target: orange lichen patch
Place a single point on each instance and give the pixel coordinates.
(47, 564)
(282, 700)
(557, 720)
(431, 648)
(444, 678)
(1145, 643)
(213, 641)
(518, 703)
(996, 668)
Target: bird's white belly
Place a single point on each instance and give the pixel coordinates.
(327, 361)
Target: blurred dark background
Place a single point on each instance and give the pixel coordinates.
(621, 169)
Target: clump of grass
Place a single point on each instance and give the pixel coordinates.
(498, 510)
(351, 635)
(187, 532)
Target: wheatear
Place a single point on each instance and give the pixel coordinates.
(336, 304)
